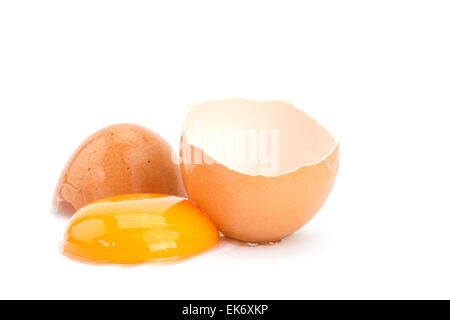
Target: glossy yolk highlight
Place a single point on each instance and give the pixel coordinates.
(138, 228)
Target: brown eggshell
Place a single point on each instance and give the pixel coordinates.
(119, 159)
(247, 205)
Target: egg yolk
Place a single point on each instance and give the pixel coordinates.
(138, 228)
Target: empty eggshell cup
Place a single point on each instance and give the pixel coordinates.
(260, 170)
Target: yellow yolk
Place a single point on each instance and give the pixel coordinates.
(139, 228)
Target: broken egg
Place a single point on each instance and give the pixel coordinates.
(260, 170)
(119, 159)
(138, 228)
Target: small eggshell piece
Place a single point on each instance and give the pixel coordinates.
(119, 159)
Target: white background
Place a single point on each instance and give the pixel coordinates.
(375, 73)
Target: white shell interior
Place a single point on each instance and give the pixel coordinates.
(256, 138)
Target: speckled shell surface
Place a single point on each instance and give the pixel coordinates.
(119, 159)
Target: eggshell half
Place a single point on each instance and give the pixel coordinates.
(257, 201)
(119, 159)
